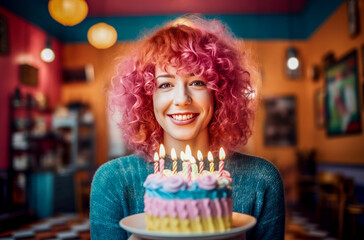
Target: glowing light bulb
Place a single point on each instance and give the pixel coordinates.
(293, 63)
(47, 55)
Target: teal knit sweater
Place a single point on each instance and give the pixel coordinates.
(117, 191)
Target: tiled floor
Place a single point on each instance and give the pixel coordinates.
(69, 226)
(300, 227)
(72, 226)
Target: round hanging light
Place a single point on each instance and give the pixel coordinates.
(47, 55)
(102, 35)
(68, 12)
(293, 63)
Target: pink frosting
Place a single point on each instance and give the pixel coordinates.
(226, 174)
(174, 183)
(207, 182)
(188, 208)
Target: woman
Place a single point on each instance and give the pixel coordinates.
(186, 84)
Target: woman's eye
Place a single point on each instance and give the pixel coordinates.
(165, 85)
(198, 83)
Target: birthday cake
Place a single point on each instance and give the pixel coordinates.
(188, 201)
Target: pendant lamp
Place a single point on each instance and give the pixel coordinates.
(47, 54)
(102, 35)
(68, 12)
(293, 63)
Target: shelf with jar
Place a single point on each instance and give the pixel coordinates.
(31, 145)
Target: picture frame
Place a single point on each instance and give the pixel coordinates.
(362, 60)
(78, 74)
(353, 17)
(319, 108)
(343, 114)
(280, 121)
(4, 37)
(28, 75)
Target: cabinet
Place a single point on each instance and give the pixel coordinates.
(29, 142)
(32, 148)
(79, 135)
(46, 152)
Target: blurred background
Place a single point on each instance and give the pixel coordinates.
(56, 61)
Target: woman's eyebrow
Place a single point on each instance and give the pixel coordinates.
(165, 76)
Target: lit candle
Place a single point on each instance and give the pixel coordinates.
(162, 154)
(184, 163)
(188, 152)
(194, 170)
(200, 159)
(156, 164)
(188, 171)
(174, 163)
(211, 160)
(221, 163)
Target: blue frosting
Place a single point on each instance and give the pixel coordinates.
(190, 194)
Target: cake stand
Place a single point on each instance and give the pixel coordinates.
(135, 224)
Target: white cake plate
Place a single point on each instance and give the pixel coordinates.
(136, 224)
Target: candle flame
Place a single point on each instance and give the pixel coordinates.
(156, 157)
(210, 157)
(222, 154)
(173, 154)
(162, 151)
(199, 155)
(182, 155)
(192, 160)
(188, 151)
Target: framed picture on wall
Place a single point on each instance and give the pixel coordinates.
(342, 96)
(4, 37)
(353, 17)
(319, 107)
(280, 121)
(362, 60)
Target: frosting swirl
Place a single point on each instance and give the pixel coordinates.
(173, 183)
(206, 182)
(226, 174)
(154, 181)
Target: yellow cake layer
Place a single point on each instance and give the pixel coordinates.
(198, 225)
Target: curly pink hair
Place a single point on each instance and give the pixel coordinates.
(207, 50)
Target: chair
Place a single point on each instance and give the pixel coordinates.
(83, 181)
(332, 200)
(352, 211)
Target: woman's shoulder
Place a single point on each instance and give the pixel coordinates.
(253, 165)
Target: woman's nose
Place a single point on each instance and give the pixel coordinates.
(182, 96)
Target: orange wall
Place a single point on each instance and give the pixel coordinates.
(94, 93)
(332, 35)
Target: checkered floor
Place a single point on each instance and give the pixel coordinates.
(69, 226)
(300, 227)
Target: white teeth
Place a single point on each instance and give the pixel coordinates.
(183, 117)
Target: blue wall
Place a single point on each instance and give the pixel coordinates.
(266, 26)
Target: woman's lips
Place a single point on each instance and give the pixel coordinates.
(182, 119)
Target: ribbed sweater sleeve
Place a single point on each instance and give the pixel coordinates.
(117, 191)
(258, 191)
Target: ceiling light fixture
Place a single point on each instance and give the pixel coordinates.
(68, 12)
(102, 35)
(293, 61)
(47, 54)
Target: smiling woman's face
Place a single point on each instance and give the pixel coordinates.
(183, 105)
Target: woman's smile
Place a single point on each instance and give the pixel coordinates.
(183, 118)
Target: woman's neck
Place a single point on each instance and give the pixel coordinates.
(201, 142)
